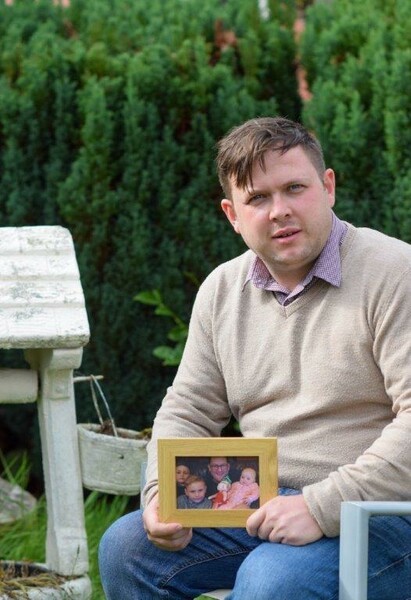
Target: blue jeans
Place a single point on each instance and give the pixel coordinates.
(132, 568)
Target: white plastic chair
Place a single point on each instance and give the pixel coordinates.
(355, 518)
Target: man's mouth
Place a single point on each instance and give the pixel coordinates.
(285, 233)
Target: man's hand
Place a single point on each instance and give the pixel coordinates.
(285, 520)
(167, 536)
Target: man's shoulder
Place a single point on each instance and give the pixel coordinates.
(235, 267)
(373, 246)
(229, 275)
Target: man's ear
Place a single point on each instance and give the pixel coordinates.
(329, 185)
(229, 211)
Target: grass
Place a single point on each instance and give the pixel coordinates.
(24, 540)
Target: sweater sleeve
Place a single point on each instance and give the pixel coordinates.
(196, 404)
(383, 471)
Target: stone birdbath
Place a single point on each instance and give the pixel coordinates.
(42, 313)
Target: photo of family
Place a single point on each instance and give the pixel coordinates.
(219, 483)
(222, 479)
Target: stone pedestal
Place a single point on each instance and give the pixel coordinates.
(42, 312)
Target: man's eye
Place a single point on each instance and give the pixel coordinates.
(256, 198)
(295, 187)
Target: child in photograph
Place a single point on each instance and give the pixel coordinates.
(243, 492)
(194, 494)
(182, 473)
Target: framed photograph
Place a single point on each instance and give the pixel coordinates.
(215, 482)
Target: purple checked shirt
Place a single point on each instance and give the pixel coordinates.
(326, 267)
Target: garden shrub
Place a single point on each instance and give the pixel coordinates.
(358, 63)
(109, 115)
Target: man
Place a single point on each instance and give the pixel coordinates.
(305, 337)
(218, 469)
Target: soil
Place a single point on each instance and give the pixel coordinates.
(107, 429)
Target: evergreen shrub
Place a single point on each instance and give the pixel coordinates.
(109, 115)
(358, 63)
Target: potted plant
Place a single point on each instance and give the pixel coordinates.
(110, 457)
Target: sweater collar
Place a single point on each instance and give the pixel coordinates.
(326, 267)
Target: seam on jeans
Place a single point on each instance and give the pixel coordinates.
(190, 563)
(393, 564)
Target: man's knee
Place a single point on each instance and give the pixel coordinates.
(256, 580)
(274, 571)
(120, 541)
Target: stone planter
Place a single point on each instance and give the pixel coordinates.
(111, 464)
(24, 578)
(110, 457)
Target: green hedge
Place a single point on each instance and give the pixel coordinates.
(358, 62)
(109, 114)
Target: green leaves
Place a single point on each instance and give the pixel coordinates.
(169, 355)
(110, 111)
(359, 69)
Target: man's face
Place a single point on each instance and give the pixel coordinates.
(196, 491)
(219, 468)
(286, 217)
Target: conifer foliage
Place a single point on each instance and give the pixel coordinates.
(109, 114)
(358, 60)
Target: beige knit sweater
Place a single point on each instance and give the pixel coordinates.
(329, 375)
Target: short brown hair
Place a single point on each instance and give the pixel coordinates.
(246, 145)
(193, 479)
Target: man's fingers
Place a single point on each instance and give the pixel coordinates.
(254, 523)
(171, 544)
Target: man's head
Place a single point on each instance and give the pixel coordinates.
(195, 488)
(218, 467)
(279, 195)
(246, 145)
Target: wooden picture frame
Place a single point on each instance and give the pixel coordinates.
(258, 454)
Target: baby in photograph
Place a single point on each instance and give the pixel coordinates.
(194, 494)
(244, 492)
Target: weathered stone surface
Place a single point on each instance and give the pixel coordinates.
(41, 299)
(18, 386)
(42, 311)
(14, 502)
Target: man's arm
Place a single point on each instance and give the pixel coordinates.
(196, 404)
(383, 471)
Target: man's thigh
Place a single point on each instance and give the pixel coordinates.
(281, 572)
(132, 567)
(389, 569)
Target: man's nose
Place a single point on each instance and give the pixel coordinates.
(279, 208)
